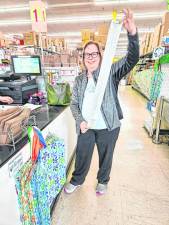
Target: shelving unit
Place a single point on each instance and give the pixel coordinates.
(152, 81)
(161, 116)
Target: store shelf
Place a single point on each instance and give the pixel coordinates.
(161, 132)
(147, 55)
(137, 89)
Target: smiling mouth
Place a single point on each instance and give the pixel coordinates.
(91, 62)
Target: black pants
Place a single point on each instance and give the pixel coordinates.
(105, 141)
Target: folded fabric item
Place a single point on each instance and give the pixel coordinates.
(39, 182)
(36, 140)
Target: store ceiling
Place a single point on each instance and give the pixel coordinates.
(66, 18)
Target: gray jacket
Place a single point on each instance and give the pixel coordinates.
(117, 72)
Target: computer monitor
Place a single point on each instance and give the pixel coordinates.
(26, 65)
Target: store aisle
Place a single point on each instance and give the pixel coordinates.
(138, 192)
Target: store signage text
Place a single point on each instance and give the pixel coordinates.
(38, 16)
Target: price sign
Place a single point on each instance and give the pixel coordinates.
(38, 16)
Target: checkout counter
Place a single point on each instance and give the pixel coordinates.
(53, 119)
(18, 83)
(50, 119)
(19, 90)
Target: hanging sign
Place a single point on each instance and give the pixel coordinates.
(38, 16)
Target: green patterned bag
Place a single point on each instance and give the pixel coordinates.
(58, 94)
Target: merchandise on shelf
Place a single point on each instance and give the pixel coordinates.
(154, 40)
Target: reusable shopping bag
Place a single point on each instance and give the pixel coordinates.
(39, 181)
(58, 94)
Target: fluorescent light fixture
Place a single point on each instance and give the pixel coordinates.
(14, 8)
(65, 34)
(13, 34)
(98, 18)
(80, 19)
(14, 22)
(78, 34)
(121, 2)
(73, 4)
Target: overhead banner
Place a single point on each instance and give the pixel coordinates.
(38, 16)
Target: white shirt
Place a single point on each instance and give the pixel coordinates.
(87, 103)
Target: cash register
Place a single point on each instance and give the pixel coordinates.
(20, 84)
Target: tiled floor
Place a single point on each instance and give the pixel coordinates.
(138, 192)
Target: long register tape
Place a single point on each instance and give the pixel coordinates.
(109, 53)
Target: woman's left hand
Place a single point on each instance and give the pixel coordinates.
(128, 22)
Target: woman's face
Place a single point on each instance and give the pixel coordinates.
(91, 57)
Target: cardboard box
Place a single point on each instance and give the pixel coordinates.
(165, 18)
(85, 35)
(2, 42)
(141, 50)
(164, 27)
(157, 33)
(64, 58)
(103, 29)
(73, 59)
(96, 38)
(31, 38)
(44, 42)
(164, 31)
(150, 48)
(101, 39)
(148, 39)
(144, 38)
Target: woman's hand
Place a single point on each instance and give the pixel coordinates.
(83, 127)
(6, 99)
(128, 22)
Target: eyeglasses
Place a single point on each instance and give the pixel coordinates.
(91, 55)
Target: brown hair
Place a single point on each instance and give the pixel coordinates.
(98, 48)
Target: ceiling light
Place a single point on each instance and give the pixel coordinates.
(13, 34)
(79, 19)
(121, 2)
(98, 18)
(78, 34)
(70, 4)
(13, 8)
(14, 22)
(66, 34)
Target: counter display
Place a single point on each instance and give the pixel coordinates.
(54, 120)
(44, 116)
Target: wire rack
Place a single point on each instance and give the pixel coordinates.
(12, 137)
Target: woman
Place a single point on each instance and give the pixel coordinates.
(105, 133)
(6, 99)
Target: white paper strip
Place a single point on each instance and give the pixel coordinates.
(109, 53)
